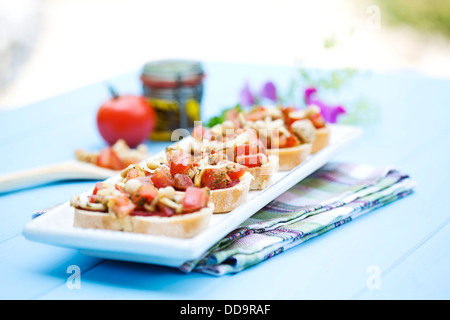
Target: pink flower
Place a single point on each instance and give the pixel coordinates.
(246, 97)
(269, 91)
(329, 113)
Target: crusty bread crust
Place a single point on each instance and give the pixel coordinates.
(263, 175)
(289, 158)
(180, 226)
(225, 200)
(322, 139)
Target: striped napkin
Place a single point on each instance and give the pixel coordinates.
(335, 194)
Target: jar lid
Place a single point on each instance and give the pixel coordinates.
(172, 73)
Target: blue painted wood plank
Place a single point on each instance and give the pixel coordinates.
(422, 274)
(29, 270)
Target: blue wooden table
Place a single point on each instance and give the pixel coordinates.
(406, 242)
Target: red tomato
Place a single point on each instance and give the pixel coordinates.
(247, 149)
(233, 116)
(145, 179)
(109, 159)
(215, 178)
(179, 163)
(119, 188)
(126, 117)
(145, 194)
(254, 145)
(195, 199)
(121, 206)
(162, 178)
(182, 181)
(132, 174)
(165, 210)
(292, 141)
(98, 186)
(287, 118)
(235, 170)
(287, 110)
(251, 160)
(198, 132)
(317, 120)
(256, 114)
(93, 198)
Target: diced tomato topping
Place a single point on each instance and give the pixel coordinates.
(215, 178)
(252, 136)
(317, 120)
(109, 159)
(145, 180)
(121, 205)
(119, 188)
(182, 181)
(148, 191)
(165, 210)
(292, 141)
(254, 145)
(286, 142)
(315, 117)
(162, 178)
(131, 174)
(93, 198)
(287, 110)
(196, 157)
(195, 199)
(288, 119)
(129, 161)
(234, 170)
(251, 160)
(180, 162)
(256, 114)
(233, 116)
(246, 149)
(145, 194)
(198, 132)
(98, 186)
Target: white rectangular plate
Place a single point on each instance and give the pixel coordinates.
(55, 227)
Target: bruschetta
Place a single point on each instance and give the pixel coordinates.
(228, 182)
(279, 139)
(305, 121)
(240, 146)
(115, 157)
(135, 204)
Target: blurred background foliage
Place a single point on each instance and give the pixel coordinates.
(423, 15)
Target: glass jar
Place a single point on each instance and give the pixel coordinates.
(174, 89)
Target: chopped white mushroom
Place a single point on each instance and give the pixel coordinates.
(305, 130)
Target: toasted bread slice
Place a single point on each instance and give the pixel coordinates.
(289, 158)
(263, 175)
(179, 226)
(225, 200)
(322, 139)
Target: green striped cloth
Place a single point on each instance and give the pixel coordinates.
(335, 194)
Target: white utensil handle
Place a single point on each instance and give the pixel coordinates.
(46, 174)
